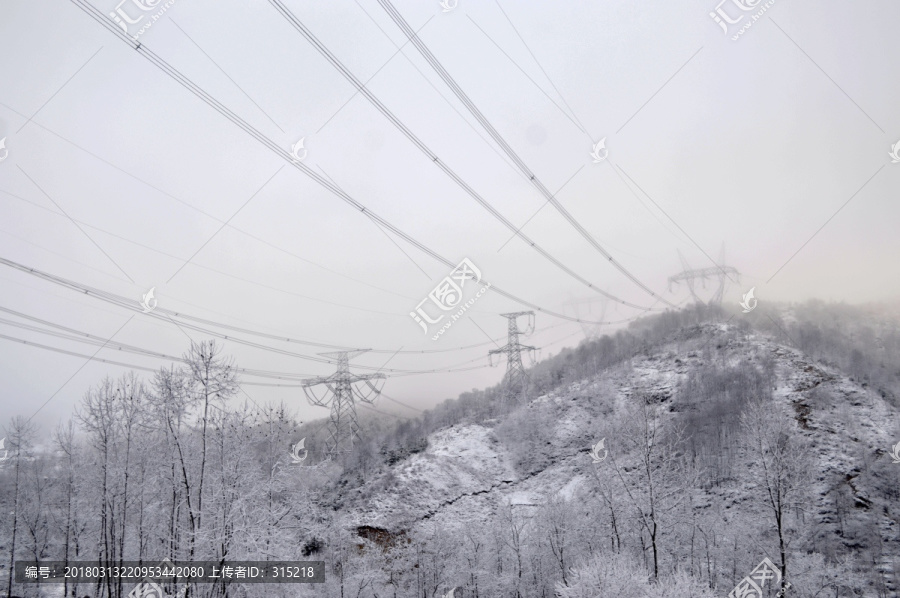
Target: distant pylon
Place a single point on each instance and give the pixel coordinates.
(515, 380)
(720, 272)
(343, 427)
(591, 331)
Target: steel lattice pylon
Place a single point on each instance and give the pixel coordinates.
(591, 331)
(343, 427)
(515, 380)
(691, 275)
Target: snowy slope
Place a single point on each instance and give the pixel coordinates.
(466, 473)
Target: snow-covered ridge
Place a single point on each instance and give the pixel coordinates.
(467, 473)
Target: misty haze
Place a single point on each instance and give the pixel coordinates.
(449, 299)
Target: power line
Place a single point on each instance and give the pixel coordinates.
(571, 117)
(389, 238)
(92, 339)
(188, 205)
(210, 269)
(118, 363)
(221, 70)
(697, 245)
(370, 408)
(363, 90)
(537, 62)
(123, 300)
(66, 214)
(248, 372)
(59, 90)
(434, 87)
(230, 218)
(253, 282)
(283, 153)
(479, 116)
(89, 359)
(73, 353)
(166, 315)
(81, 336)
(341, 395)
(402, 403)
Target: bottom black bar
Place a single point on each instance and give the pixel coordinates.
(172, 571)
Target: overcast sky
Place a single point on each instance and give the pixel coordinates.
(116, 175)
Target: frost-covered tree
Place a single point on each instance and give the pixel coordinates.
(781, 465)
(653, 474)
(606, 575)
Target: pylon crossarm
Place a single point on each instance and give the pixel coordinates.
(312, 398)
(717, 273)
(344, 356)
(530, 328)
(340, 394)
(370, 393)
(375, 376)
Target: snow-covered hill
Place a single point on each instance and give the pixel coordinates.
(469, 471)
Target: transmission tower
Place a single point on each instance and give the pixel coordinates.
(341, 393)
(515, 380)
(591, 331)
(719, 272)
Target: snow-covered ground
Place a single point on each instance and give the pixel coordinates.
(466, 473)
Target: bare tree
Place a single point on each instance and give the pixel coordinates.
(131, 396)
(617, 575)
(170, 402)
(212, 380)
(97, 415)
(555, 520)
(514, 539)
(64, 438)
(780, 460)
(21, 434)
(657, 479)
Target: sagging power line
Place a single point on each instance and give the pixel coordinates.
(388, 114)
(501, 142)
(169, 317)
(284, 154)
